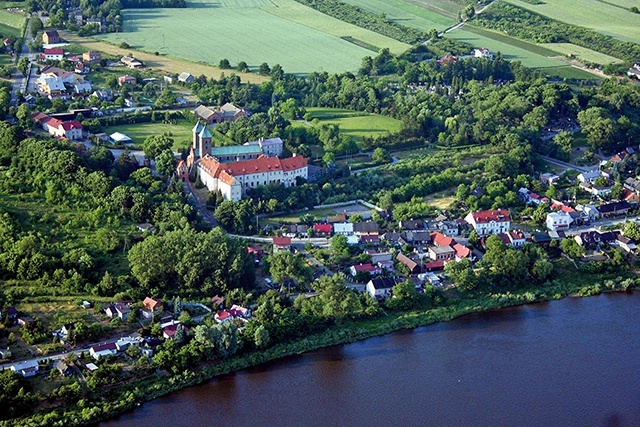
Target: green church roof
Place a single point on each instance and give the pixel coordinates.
(205, 133)
(198, 127)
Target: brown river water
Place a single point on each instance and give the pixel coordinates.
(573, 362)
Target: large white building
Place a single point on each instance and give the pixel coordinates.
(489, 222)
(271, 147)
(233, 179)
(558, 221)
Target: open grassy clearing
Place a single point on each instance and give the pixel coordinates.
(529, 54)
(570, 72)
(138, 132)
(10, 23)
(599, 16)
(581, 53)
(355, 125)
(441, 7)
(405, 13)
(443, 199)
(294, 218)
(209, 30)
(161, 62)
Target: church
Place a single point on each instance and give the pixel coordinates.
(233, 170)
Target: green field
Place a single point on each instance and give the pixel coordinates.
(354, 125)
(10, 23)
(138, 132)
(282, 32)
(405, 13)
(581, 53)
(600, 16)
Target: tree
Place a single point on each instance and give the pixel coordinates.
(166, 163)
(632, 230)
(261, 337)
(156, 144)
(572, 248)
(404, 296)
(339, 245)
(224, 64)
(284, 265)
(598, 125)
(462, 274)
(617, 191)
(380, 155)
(242, 67)
(35, 25)
(264, 69)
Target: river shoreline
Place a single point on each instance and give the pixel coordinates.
(134, 394)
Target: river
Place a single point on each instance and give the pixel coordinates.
(572, 362)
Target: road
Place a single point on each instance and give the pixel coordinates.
(568, 166)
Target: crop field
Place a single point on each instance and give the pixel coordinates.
(581, 53)
(356, 126)
(283, 32)
(406, 13)
(611, 19)
(10, 23)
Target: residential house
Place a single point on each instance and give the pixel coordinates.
(589, 176)
(385, 265)
(71, 130)
(51, 86)
(51, 37)
(593, 238)
(440, 239)
(118, 309)
(380, 287)
(411, 265)
(82, 86)
(418, 237)
(391, 237)
(223, 316)
(54, 54)
(233, 179)
(217, 302)
(130, 102)
(27, 369)
(150, 307)
(596, 190)
(131, 62)
(66, 330)
(186, 78)
(272, 147)
(442, 253)
(5, 354)
(26, 321)
(626, 243)
(634, 71)
(490, 221)
(632, 184)
(411, 224)
(549, 178)
(103, 94)
(91, 57)
(323, 229)
(344, 228)
(516, 238)
(168, 79)
(371, 239)
(589, 212)
(365, 268)
(91, 367)
(238, 311)
(11, 313)
(332, 219)
(103, 350)
(125, 342)
(531, 198)
(558, 221)
(434, 266)
(64, 369)
(67, 77)
(614, 208)
(482, 53)
(630, 196)
(144, 227)
(281, 244)
(461, 251)
(169, 329)
(376, 256)
(366, 227)
(127, 79)
(226, 113)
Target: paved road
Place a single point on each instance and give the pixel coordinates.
(568, 166)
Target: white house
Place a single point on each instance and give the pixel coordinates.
(625, 243)
(589, 176)
(344, 228)
(235, 178)
(558, 221)
(82, 86)
(53, 54)
(482, 53)
(381, 287)
(186, 78)
(489, 222)
(28, 368)
(103, 350)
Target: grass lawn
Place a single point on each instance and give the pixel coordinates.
(294, 218)
(569, 72)
(297, 37)
(601, 16)
(581, 53)
(410, 14)
(355, 125)
(138, 132)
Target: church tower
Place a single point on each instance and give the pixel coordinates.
(196, 136)
(204, 140)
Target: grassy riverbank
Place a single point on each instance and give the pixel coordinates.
(130, 394)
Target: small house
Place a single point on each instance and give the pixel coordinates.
(91, 367)
(118, 309)
(64, 369)
(145, 226)
(27, 369)
(344, 228)
(381, 287)
(103, 350)
(323, 229)
(413, 266)
(441, 253)
(127, 79)
(364, 268)
(240, 311)
(51, 37)
(281, 244)
(151, 306)
(186, 78)
(91, 57)
(223, 316)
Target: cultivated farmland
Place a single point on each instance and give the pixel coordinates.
(10, 23)
(254, 31)
(610, 19)
(581, 53)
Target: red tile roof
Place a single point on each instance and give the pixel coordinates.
(364, 267)
(498, 215)
(53, 51)
(435, 265)
(226, 171)
(440, 239)
(39, 117)
(281, 241)
(152, 304)
(462, 251)
(73, 124)
(323, 228)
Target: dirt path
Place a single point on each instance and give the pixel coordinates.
(165, 63)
